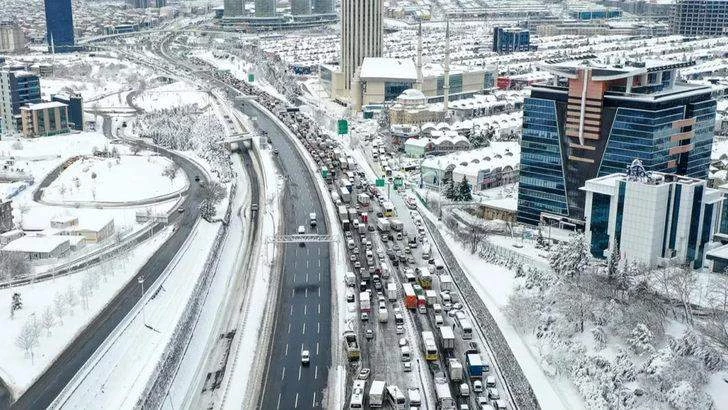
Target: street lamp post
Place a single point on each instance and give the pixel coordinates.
(140, 280)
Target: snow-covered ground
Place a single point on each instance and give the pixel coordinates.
(51, 302)
(172, 95)
(123, 179)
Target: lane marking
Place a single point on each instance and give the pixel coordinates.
(314, 400)
(304, 329)
(305, 309)
(319, 292)
(294, 277)
(306, 263)
(319, 308)
(291, 312)
(315, 373)
(283, 373)
(317, 348)
(319, 261)
(319, 274)
(293, 292)
(289, 328)
(278, 406)
(306, 277)
(305, 293)
(296, 405)
(318, 327)
(319, 250)
(286, 354)
(299, 372)
(308, 251)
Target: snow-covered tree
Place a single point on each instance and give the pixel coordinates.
(451, 192)
(48, 320)
(600, 337)
(571, 258)
(464, 191)
(640, 339)
(27, 339)
(613, 261)
(624, 367)
(71, 299)
(59, 306)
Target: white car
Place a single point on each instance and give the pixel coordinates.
(305, 357)
(477, 386)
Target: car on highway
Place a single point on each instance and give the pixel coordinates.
(490, 381)
(305, 357)
(350, 297)
(364, 316)
(363, 373)
(407, 367)
(301, 231)
(493, 393)
(477, 386)
(180, 210)
(352, 257)
(400, 329)
(369, 334)
(403, 341)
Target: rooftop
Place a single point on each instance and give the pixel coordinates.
(37, 244)
(45, 105)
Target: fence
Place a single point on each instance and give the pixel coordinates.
(156, 389)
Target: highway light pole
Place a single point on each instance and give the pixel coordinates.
(140, 279)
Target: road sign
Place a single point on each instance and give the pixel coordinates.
(380, 182)
(251, 77)
(325, 172)
(398, 182)
(343, 127)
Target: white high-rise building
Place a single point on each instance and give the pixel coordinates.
(12, 39)
(361, 35)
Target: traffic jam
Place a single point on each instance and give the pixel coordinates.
(413, 344)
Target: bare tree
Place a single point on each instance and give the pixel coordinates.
(13, 266)
(682, 284)
(135, 149)
(27, 339)
(477, 235)
(59, 306)
(170, 171)
(71, 299)
(48, 320)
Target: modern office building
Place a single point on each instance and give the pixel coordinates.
(17, 88)
(265, 8)
(588, 12)
(300, 7)
(510, 39)
(700, 17)
(75, 109)
(59, 26)
(652, 217)
(43, 119)
(323, 6)
(361, 35)
(593, 119)
(138, 4)
(233, 8)
(161, 3)
(12, 39)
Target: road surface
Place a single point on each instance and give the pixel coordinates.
(303, 314)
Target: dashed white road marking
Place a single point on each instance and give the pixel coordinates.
(319, 308)
(313, 403)
(278, 406)
(315, 373)
(283, 373)
(289, 328)
(291, 312)
(318, 327)
(299, 372)
(305, 309)
(296, 404)
(286, 354)
(317, 348)
(303, 332)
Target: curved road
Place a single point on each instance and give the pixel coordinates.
(45, 389)
(303, 314)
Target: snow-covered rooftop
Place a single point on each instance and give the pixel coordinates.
(39, 244)
(390, 68)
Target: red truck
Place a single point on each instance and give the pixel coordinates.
(410, 299)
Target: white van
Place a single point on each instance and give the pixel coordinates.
(350, 244)
(406, 355)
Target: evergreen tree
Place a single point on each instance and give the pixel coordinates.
(450, 191)
(570, 258)
(464, 192)
(613, 262)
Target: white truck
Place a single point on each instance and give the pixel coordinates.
(455, 368)
(396, 224)
(376, 393)
(350, 278)
(383, 314)
(383, 225)
(392, 291)
(312, 218)
(365, 304)
(446, 283)
(363, 200)
(448, 337)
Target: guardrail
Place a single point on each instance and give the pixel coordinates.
(156, 389)
(516, 383)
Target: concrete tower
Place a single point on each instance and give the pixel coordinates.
(300, 7)
(418, 85)
(323, 6)
(233, 8)
(446, 67)
(361, 35)
(265, 8)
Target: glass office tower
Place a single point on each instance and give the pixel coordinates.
(59, 26)
(593, 119)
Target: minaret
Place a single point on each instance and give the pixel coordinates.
(446, 67)
(418, 85)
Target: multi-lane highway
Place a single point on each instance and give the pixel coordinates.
(303, 314)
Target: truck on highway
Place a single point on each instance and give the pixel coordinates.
(383, 314)
(413, 394)
(376, 393)
(429, 347)
(345, 194)
(343, 213)
(364, 218)
(352, 213)
(476, 365)
(351, 345)
(446, 283)
(335, 198)
(396, 397)
(447, 336)
(365, 304)
(383, 225)
(424, 277)
(421, 304)
(426, 251)
(396, 224)
(362, 227)
(455, 368)
(410, 299)
(312, 218)
(392, 291)
(357, 394)
(350, 278)
(431, 297)
(442, 392)
(363, 200)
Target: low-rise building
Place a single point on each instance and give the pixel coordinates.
(43, 119)
(12, 39)
(39, 247)
(75, 108)
(412, 108)
(9, 236)
(652, 217)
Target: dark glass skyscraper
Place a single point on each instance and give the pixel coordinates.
(595, 118)
(510, 39)
(59, 26)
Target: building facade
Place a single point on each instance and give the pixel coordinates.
(265, 8)
(300, 7)
(48, 118)
(593, 119)
(511, 39)
(323, 6)
(233, 8)
(12, 39)
(700, 17)
(361, 36)
(59, 26)
(17, 88)
(75, 109)
(653, 218)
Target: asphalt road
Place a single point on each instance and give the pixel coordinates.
(49, 385)
(303, 313)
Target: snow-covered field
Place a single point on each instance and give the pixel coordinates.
(172, 95)
(67, 303)
(124, 179)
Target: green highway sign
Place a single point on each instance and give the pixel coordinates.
(343, 127)
(398, 182)
(380, 182)
(251, 77)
